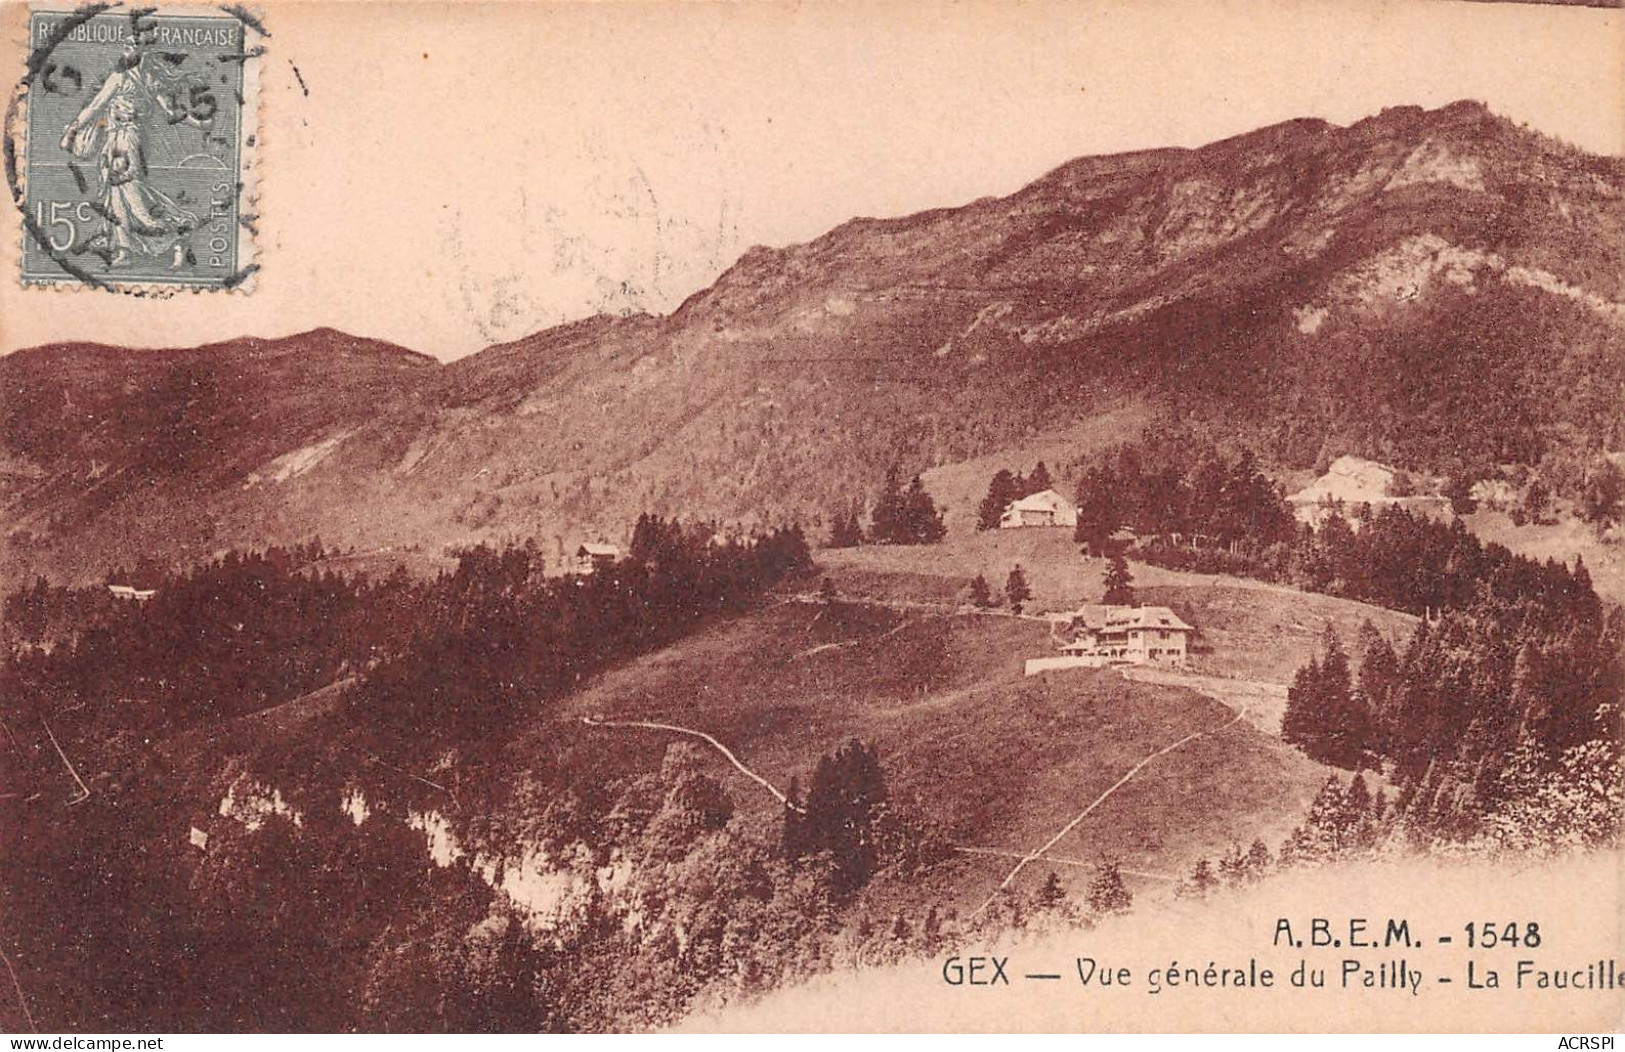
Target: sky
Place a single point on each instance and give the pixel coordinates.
(448, 176)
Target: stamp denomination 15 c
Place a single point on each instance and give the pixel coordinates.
(140, 129)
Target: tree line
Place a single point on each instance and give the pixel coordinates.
(496, 632)
(1235, 522)
(232, 635)
(1481, 710)
(433, 660)
(901, 515)
(1182, 492)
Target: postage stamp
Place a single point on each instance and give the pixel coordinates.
(137, 154)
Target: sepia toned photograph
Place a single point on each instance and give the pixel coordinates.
(543, 517)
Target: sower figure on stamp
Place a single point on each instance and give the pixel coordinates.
(116, 127)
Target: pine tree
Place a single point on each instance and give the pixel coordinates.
(1016, 589)
(905, 517)
(1345, 720)
(1336, 544)
(1258, 859)
(1201, 880)
(1119, 582)
(1107, 892)
(921, 521)
(1527, 685)
(1379, 682)
(1038, 481)
(1535, 501)
(1098, 512)
(1582, 593)
(1604, 494)
(1052, 894)
(844, 804)
(1324, 715)
(645, 538)
(1357, 800)
(1321, 836)
(1300, 724)
(980, 593)
(845, 531)
(1335, 687)
(1363, 817)
(886, 524)
(1000, 493)
(1459, 488)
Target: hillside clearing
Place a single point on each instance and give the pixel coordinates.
(998, 759)
(1096, 803)
(1247, 629)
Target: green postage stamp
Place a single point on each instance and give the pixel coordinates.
(136, 164)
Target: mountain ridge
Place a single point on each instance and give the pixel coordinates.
(1439, 288)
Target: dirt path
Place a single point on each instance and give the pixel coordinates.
(822, 647)
(84, 790)
(592, 721)
(905, 605)
(1102, 798)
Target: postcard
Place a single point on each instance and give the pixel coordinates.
(859, 517)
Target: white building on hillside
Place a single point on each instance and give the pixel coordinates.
(1120, 635)
(1494, 493)
(1045, 508)
(1352, 481)
(1133, 635)
(594, 556)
